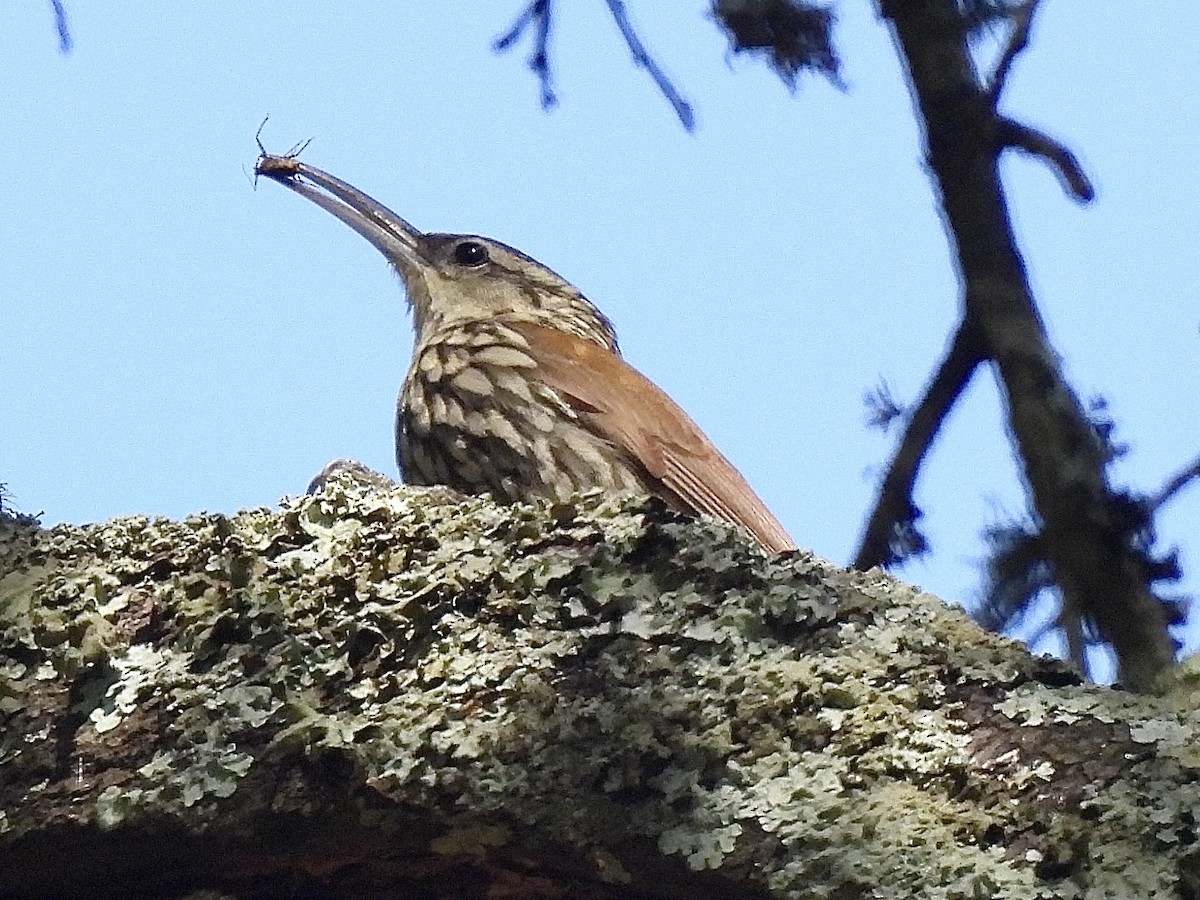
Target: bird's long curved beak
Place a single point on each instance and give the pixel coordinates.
(394, 237)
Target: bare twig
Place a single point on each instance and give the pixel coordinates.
(1175, 484)
(8, 511)
(65, 43)
(1029, 140)
(509, 37)
(1018, 40)
(683, 109)
(894, 508)
(537, 13)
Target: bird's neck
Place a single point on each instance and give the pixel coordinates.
(579, 318)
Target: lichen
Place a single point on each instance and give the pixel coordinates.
(599, 672)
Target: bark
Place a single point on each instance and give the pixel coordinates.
(406, 693)
(1087, 535)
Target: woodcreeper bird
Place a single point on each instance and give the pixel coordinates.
(517, 387)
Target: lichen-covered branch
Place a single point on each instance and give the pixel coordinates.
(407, 693)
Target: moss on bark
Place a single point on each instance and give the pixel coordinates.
(367, 691)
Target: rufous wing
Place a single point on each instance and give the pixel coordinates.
(633, 414)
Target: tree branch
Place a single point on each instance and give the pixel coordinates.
(1066, 165)
(1102, 571)
(795, 35)
(894, 510)
(65, 42)
(537, 14)
(388, 693)
(683, 109)
(1175, 484)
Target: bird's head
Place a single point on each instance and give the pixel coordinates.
(449, 278)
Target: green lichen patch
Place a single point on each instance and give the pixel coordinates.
(603, 675)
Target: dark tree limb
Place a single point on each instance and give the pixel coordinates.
(1102, 571)
(1017, 571)
(1036, 143)
(894, 510)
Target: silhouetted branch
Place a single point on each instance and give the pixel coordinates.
(1018, 40)
(683, 109)
(1175, 484)
(1063, 161)
(64, 32)
(1089, 532)
(8, 511)
(1017, 572)
(1019, 568)
(537, 14)
(891, 520)
(1105, 427)
(1077, 643)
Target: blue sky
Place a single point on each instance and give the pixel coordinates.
(176, 340)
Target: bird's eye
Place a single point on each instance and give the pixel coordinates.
(470, 253)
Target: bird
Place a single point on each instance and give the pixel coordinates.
(517, 386)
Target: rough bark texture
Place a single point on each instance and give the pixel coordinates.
(374, 693)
